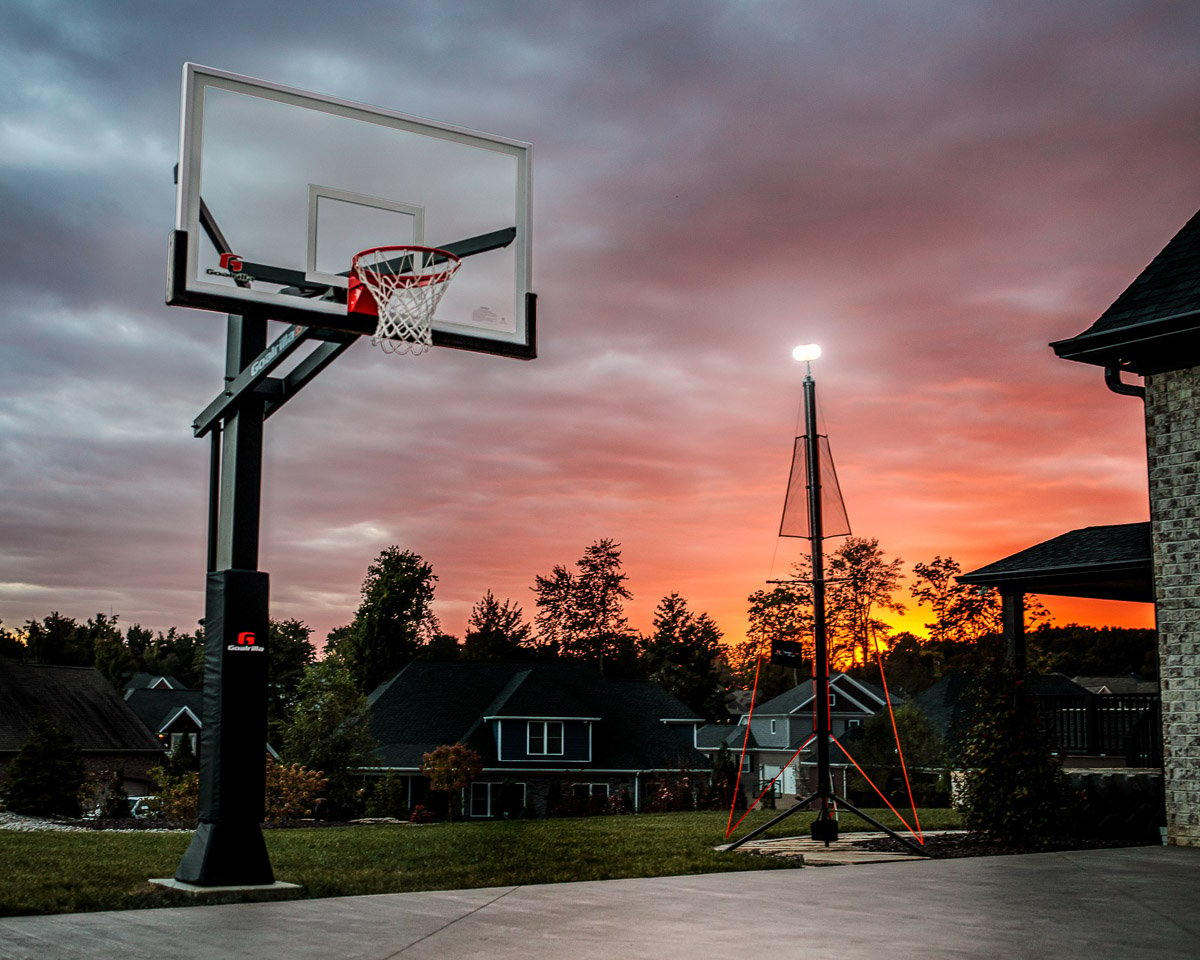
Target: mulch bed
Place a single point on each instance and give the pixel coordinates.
(949, 846)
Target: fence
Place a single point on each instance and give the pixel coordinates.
(1106, 725)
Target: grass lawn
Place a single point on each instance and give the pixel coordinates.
(50, 872)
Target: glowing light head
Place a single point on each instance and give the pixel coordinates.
(806, 352)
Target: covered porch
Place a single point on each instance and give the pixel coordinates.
(1111, 562)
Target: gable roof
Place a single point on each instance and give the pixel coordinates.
(152, 681)
(1105, 563)
(157, 708)
(429, 704)
(1127, 684)
(863, 695)
(78, 698)
(1155, 324)
(712, 735)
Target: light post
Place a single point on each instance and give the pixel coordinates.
(825, 827)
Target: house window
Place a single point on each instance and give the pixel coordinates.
(497, 799)
(747, 763)
(585, 791)
(773, 726)
(177, 741)
(851, 724)
(545, 738)
(833, 699)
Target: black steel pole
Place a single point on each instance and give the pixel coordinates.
(825, 826)
(228, 847)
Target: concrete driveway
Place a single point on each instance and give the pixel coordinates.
(1137, 903)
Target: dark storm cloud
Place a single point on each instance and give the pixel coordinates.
(933, 190)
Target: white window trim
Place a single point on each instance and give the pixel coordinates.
(545, 751)
(492, 791)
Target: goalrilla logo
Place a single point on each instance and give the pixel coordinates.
(231, 266)
(247, 642)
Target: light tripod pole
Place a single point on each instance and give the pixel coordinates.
(825, 826)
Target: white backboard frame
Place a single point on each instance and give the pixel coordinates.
(193, 281)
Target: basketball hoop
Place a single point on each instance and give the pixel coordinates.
(407, 283)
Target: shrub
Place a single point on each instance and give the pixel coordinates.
(1013, 790)
(178, 796)
(112, 799)
(388, 797)
(421, 815)
(671, 795)
(451, 768)
(292, 791)
(46, 776)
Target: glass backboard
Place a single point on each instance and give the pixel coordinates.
(279, 188)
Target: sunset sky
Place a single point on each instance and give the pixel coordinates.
(931, 190)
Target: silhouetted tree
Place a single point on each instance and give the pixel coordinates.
(962, 613)
(58, 640)
(783, 612)
(11, 646)
(290, 652)
(392, 620)
(496, 631)
(581, 613)
(329, 730)
(681, 655)
(860, 584)
(46, 776)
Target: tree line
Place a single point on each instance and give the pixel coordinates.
(580, 614)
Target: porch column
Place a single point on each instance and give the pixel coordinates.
(1012, 608)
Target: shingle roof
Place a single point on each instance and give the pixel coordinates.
(792, 700)
(429, 704)
(142, 681)
(712, 735)
(155, 707)
(1106, 562)
(1120, 685)
(79, 698)
(1155, 324)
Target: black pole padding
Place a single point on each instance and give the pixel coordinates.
(228, 847)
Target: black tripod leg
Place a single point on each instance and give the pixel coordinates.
(875, 823)
(770, 823)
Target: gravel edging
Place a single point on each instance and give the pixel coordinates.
(21, 823)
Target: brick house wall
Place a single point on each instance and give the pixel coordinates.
(1173, 457)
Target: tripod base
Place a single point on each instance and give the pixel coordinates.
(825, 827)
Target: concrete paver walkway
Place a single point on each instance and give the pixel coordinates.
(1141, 903)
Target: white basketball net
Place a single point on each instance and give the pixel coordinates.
(407, 284)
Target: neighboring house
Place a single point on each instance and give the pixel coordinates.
(149, 681)
(780, 727)
(107, 732)
(1126, 685)
(171, 714)
(1092, 728)
(548, 732)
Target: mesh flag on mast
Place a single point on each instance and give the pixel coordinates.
(834, 522)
